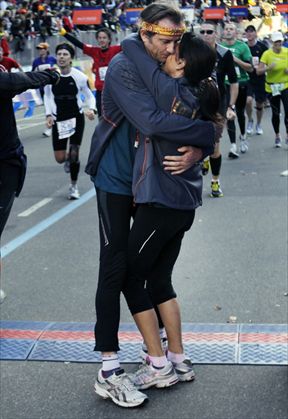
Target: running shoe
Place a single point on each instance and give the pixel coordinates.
(205, 167)
(73, 192)
(243, 144)
(47, 132)
(2, 296)
(120, 389)
(144, 352)
(148, 376)
(216, 191)
(233, 152)
(278, 142)
(67, 166)
(259, 130)
(184, 370)
(249, 130)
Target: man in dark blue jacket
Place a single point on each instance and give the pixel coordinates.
(12, 157)
(130, 115)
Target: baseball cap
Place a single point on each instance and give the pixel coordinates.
(277, 36)
(43, 45)
(250, 28)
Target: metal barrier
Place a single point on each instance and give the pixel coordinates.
(26, 57)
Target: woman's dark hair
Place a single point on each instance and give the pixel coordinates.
(66, 46)
(200, 61)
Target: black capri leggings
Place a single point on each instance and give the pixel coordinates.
(10, 174)
(275, 102)
(153, 247)
(240, 112)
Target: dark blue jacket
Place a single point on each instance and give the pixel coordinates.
(151, 112)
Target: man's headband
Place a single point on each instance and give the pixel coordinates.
(162, 30)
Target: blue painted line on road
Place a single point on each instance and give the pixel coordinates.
(43, 225)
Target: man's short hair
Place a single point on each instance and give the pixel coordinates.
(250, 28)
(158, 11)
(210, 22)
(105, 30)
(67, 46)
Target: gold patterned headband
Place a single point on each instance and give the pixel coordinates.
(162, 30)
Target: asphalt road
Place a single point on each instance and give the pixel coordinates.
(233, 258)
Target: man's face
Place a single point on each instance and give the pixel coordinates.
(103, 40)
(42, 52)
(230, 32)
(63, 58)
(251, 35)
(208, 34)
(161, 46)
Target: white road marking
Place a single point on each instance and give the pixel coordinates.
(35, 207)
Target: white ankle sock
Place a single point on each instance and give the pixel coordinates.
(175, 358)
(110, 362)
(158, 361)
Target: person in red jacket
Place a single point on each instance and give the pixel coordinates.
(4, 45)
(7, 63)
(101, 55)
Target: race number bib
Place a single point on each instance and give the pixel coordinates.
(237, 69)
(66, 128)
(42, 67)
(277, 88)
(255, 61)
(102, 72)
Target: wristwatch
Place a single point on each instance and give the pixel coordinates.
(232, 107)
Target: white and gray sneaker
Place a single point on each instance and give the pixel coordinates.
(233, 152)
(73, 192)
(243, 144)
(148, 376)
(47, 132)
(250, 127)
(120, 389)
(2, 296)
(184, 370)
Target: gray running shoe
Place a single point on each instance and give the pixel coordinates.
(278, 142)
(148, 376)
(243, 144)
(120, 389)
(184, 370)
(233, 152)
(73, 192)
(2, 296)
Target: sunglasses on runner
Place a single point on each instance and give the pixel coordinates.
(208, 31)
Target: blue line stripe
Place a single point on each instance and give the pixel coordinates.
(43, 225)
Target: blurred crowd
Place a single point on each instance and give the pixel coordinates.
(23, 20)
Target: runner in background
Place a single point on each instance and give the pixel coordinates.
(274, 63)
(101, 55)
(225, 70)
(65, 115)
(242, 61)
(45, 60)
(256, 84)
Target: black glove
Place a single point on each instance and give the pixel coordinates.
(54, 75)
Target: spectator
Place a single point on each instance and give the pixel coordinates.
(8, 63)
